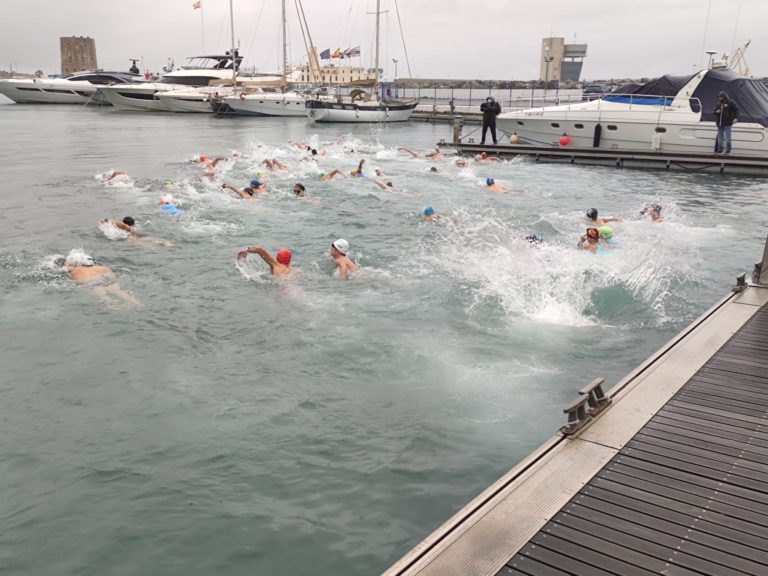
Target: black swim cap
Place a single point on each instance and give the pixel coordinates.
(129, 221)
(656, 208)
(592, 213)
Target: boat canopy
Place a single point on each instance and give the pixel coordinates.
(749, 94)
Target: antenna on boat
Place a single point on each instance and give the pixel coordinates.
(711, 56)
(706, 27)
(234, 50)
(285, 45)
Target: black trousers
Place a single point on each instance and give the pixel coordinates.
(492, 126)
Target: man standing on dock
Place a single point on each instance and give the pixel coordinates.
(490, 109)
(727, 114)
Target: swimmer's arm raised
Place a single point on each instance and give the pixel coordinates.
(261, 252)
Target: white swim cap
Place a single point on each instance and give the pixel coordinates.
(77, 257)
(341, 245)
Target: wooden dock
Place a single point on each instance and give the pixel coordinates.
(696, 163)
(670, 478)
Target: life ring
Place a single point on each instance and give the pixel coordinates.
(242, 95)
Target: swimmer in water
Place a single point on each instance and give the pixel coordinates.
(461, 163)
(434, 155)
(256, 187)
(280, 265)
(592, 242)
(533, 239)
(335, 172)
(433, 170)
(599, 221)
(299, 190)
(490, 184)
(428, 214)
(484, 157)
(654, 211)
(385, 185)
(379, 172)
(273, 163)
(339, 250)
(99, 279)
(358, 172)
(411, 152)
(113, 174)
(126, 224)
(168, 207)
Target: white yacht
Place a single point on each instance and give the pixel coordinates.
(669, 114)
(268, 104)
(200, 71)
(78, 88)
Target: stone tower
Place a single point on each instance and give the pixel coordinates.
(77, 53)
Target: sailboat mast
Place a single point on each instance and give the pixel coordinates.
(234, 53)
(285, 45)
(376, 61)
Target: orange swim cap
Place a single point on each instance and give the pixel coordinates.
(284, 257)
(203, 158)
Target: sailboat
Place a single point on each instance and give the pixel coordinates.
(362, 106)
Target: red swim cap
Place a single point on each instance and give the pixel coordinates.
(284, 257)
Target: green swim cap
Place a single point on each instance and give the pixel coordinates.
(322, 174)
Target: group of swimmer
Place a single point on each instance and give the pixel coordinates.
(599, 236)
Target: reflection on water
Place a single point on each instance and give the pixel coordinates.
(235, 424)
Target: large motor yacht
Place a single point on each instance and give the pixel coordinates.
(78, 88)
(200, 71)
(670, 114)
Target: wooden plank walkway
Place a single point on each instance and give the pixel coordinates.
(688, 494)
(671, 479)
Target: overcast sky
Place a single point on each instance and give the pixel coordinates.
(483, 39)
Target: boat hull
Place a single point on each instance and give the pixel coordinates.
(35, 91)
(135, 98)
(263, 105)
(320, 111)
(186, 104)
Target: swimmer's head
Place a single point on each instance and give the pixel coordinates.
(255, 183)
(593, 233)
(77, 257)
(433, 169)
(427, 211)
(534, 238)
(656, 208)
(168, 183)
(341, 246)
(260, 174)
(203, 158)
(490, 181)
(129, 221)
(299, 189)
(378, 172)
(322, 174)
(314, 152)
(284, 257)
(390, 185)
(592, 213)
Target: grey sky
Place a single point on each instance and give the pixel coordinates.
(497, 39)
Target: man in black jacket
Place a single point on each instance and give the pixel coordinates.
(490, 109)
(726, 115)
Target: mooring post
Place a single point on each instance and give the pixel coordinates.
(458, 123)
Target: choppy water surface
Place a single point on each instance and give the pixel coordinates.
(237, 426)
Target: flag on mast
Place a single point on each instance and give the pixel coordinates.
(337, 53)
(197, 5)
(325, 54)
(352, 52)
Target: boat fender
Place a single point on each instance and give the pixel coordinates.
(242, 95)
(596, 137)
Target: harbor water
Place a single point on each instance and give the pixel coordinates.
(230, 424)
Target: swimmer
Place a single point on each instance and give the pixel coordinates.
(315, 152)
(533, 239)
(100, 279)
(299, 190)
(592, 215)
(274, 163)
(126, 224)
(484, 157)
(167, 206)
(433, 170)
(114, 173)
(335, 172)
(379, 172)
(591, 241)
(339, 250)
(434, 155)
(411, 152)
(256, 187)
(605, 233)
(461, 163)
(490, 184)
(654, 211)
(358, 172)
(428, 214)
(280, 265)
(384, 185)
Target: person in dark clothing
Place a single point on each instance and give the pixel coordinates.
(490, 109)
(726, 115)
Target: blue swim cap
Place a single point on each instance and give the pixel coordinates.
(490, 181)
(428, 211)
(255, 183)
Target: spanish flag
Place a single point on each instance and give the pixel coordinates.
(337, 53)
(198, 4)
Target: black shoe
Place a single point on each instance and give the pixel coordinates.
(495, 142)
